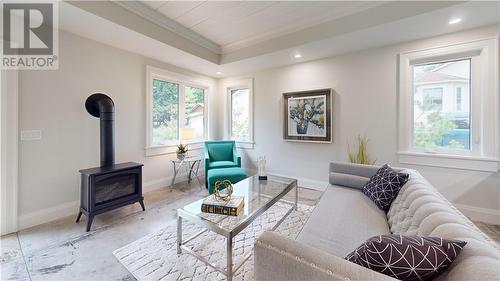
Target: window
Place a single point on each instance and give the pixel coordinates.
(194, 102)
(240, 113)
(176, 109)
(436, 122)
(448, 106)
(165, 111)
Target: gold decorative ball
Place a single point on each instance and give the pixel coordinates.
(220, 185)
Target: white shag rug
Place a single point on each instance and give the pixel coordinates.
(154, 257)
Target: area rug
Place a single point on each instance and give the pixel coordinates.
(154, 257)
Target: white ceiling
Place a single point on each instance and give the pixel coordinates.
(383, 25)
(240, 24)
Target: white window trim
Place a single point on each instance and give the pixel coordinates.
(486, 96)
(182, 80)
(234, 85)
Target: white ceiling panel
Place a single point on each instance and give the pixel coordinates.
(175, 9)
(155, 4)
(207, 10)
(247, 22)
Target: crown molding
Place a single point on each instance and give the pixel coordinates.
(165, 22)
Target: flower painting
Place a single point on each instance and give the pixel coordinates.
(308, 116)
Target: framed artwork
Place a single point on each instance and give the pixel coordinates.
(308, 116)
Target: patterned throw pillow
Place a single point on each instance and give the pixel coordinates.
(407, 257)
(383, 187)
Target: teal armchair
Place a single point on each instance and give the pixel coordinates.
(220, 154)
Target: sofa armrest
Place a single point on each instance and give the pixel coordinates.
(278, 258)
(359, 170)
(347, 180)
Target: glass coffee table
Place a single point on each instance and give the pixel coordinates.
(259, 197)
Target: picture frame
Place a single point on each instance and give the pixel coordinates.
(307, 116)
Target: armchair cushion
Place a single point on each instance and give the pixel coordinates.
(222, 164)
(234, 175)
(220, 151)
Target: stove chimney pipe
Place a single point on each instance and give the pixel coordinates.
(101, 106)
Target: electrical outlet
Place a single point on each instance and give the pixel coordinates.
(29, 135)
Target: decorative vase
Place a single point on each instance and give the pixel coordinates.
(262, 167)
(181, 156)
(302, 127)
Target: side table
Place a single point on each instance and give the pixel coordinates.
(191, 165)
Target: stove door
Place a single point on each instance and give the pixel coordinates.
(116, 187)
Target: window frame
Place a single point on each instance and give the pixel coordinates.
(153, 73)
(483, 102)
(237, 85)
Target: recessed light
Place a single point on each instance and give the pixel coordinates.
(455, 21)
(218, 72)
(297, 56)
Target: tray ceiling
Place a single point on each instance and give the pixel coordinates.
(238, 24)
(141, 28)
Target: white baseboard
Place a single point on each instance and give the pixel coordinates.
(490, 216)
(302, 182)
(157, 184)
(48, 214)
(305, 182)
(71, 208)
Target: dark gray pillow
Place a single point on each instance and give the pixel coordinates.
(407, 257)
(384, 186)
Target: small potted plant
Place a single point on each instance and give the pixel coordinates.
(181, 151)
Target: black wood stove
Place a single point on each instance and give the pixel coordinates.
(111, 185)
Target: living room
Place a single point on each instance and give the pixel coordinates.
(304, 101)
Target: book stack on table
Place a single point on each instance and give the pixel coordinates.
(233, 207)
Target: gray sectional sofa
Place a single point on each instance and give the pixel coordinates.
(344, 218)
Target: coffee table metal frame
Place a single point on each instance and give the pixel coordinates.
(214, 226)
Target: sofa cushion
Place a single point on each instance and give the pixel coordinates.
(384, 186)
(220, 151)
(222, 164)
(342, 220)
(407, 257)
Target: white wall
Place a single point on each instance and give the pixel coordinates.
(364, 102)
(53, 101)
